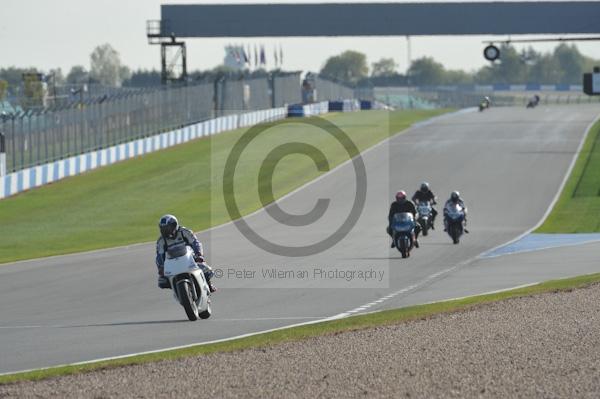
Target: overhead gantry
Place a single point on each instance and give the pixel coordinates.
(372, 19)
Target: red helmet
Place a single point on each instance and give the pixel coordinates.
(401, 195)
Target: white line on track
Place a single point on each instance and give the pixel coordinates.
(129, 323)
(524, 251)
(556, 196)
(337, 317)
(430, 278)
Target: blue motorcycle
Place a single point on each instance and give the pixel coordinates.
(403, 232)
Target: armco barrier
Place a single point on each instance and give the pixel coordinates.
(299, 110)
(36, 176)
(344, 106)
(295, 110)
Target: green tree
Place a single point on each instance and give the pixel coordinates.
(570, 62)
(3, 89)
(511, 69)
(78, 75)
(456, 77)
(34, 91)
(384, 67)
(143, 78)
(348, 67)
(106, 67)
(426, 71)
(14, 75)
(546, 70)
(57, 75)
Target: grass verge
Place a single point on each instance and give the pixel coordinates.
(382, 318)
(120, 204)
(578, 207)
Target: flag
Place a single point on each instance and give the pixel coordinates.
(236, 53)
(245, 56)
(231, 51)
(280, 55)
(249, 54)
(255, 56)
(275, 56)
(263, 58)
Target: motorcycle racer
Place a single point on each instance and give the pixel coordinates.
(455, 199)
(423, 194)
(173, 235)
(402, 204)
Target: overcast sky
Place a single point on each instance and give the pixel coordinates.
(62, 33)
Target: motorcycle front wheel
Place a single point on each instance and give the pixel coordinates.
(402, 247)
(455, 234)
(187, 301)
(425, 228)
(206, 314)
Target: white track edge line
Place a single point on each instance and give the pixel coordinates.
(556, 196)
(481, 255)
(525, 251)
(250, 334)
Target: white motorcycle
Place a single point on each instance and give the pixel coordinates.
(425, 220)
(187, 280)
(455, 219)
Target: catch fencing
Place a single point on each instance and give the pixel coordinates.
(406, 98)
(286, 90)
(327, 90)
(25, 179)
(37, 137)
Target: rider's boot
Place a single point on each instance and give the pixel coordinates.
(208, 275)
(389, 231)
(163, 282)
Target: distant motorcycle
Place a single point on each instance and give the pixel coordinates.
(484, 104)
(425, 220)
(455, 217)
(403, 232)
(533, 102)
(187, 280)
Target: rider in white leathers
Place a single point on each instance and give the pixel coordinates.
(173, 235)
(454, 199)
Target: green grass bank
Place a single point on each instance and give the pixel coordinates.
(578, 207)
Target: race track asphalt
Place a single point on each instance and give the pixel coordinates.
(508, 163)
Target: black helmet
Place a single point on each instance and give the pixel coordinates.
(168, 226)
(455, 196)
(425, 187)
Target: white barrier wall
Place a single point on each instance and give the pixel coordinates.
(25, 179)
(316, 108)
